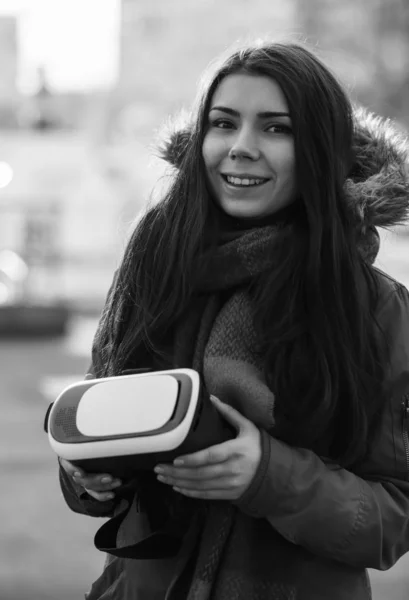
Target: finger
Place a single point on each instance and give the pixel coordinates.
(199, 473)
(71, 469)
(232, 415)
(100, 496)
(98, 482)
(207, 494)
(188, 484)
(219, 453)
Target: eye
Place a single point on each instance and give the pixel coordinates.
(221, 124)
(279, 128)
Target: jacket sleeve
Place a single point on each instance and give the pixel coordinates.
(360, 518)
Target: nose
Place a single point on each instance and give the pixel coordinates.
(244, 146)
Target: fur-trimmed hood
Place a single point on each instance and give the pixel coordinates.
(377, 189)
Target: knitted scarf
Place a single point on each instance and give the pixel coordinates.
(226, 354)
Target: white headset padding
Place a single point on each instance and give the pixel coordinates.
(131, 411)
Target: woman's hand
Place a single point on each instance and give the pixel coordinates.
(98, 485)
(221, 472)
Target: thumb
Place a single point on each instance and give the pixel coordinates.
(70, 468)
(232, 415)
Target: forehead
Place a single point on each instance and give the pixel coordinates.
(250, 93)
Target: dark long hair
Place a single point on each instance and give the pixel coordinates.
(315, 308)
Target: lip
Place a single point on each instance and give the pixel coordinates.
(244, 176)
(243, 190)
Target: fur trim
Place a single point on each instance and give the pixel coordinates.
(173, 145)
(377, 189)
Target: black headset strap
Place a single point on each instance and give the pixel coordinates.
(164, 543)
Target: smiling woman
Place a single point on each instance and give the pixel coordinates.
(256, 270)
(248, 149)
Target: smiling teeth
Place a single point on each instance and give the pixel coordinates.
(238, 181)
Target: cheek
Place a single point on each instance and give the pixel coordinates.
(213, 151)
(288, 181)
(285, 164)
(289, 173)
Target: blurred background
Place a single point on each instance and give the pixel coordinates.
(84, 87)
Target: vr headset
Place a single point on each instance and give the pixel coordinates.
(125, 424)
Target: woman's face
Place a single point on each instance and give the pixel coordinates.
(248, 148)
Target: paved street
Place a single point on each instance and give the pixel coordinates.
(46, 552)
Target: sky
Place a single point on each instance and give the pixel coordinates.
(75, 40)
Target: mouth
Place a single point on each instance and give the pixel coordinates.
(244, 181)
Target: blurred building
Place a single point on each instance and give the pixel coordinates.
(45, 109)
(58, 209)
(8, 69)
(367, 44)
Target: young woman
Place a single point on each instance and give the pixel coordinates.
(256, 269)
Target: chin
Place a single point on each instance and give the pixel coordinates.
(243, 212)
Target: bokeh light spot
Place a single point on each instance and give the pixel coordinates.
(6, 174)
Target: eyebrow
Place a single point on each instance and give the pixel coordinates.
(262, 115)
